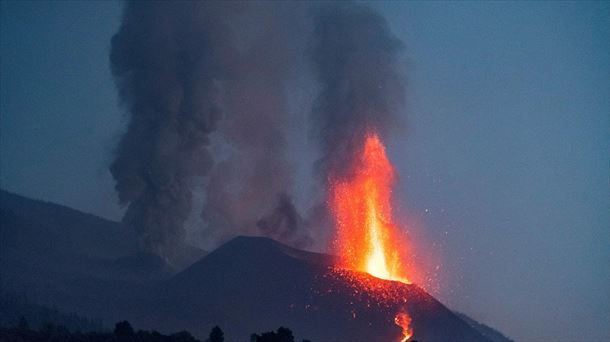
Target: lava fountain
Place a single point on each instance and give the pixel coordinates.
(367, 239)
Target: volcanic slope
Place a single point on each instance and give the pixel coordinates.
(80, 263)
(254, 284)
(76, 262)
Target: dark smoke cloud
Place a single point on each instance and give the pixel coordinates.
(167, 59)
(356, 61)
(178, 66)
(285, 223)
(182, 66)
(247, 184)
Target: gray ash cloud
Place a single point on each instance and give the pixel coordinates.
(356, 60)
(181, 67)
(167, 60)
(201, 76)
(245, 185)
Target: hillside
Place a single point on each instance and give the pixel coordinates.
(79, 263)
(61, 257)
(255, 284)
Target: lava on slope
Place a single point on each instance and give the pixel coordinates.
(367, 239)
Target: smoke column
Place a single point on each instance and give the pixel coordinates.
(178, 66)
(181, 66)
(356, 62)
(247, 192)
(167, 59)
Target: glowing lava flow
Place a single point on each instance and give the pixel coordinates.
(403, 320)
(367, 239)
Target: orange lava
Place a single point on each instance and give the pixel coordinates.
(366, 237)
(403, 320)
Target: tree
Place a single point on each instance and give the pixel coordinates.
(269, 336)
(23, 324)
(123, 329)
(48, 329)
(216, 335)
(182, 336)
(284, 335)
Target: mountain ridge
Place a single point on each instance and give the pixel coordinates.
(249, 284)
(302, 290)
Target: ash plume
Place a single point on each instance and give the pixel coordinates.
(355, 59)
(285, 223)
(182, 66)
(178, 66)
(167, 59)
(246, 185)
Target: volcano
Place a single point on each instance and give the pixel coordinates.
(247, 285)
(257, 284)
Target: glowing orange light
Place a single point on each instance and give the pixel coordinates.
(366, 238)
(403, 320)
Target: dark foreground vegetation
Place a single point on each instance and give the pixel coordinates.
(123, 332)
(14, 307)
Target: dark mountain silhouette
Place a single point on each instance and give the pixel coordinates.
(255, 284)
(58, 229)
(487, 331)
(79, 263)
(62, 257)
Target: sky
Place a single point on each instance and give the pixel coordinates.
(503, 164)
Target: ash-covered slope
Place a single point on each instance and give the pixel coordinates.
(80, 263)
(38, 226)
(76, 262)
(254, 284)
(488, 332)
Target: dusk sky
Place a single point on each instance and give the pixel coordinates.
(503, 162)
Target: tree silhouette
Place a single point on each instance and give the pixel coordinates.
(23, 324)
(282, 335)
(183, 336)
(216, 335)
(123, 330)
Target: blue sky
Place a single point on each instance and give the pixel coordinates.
(503, 163)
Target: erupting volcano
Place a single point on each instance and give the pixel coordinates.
(367, 239)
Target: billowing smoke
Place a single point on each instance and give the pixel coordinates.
(285, 223)
(167, 60)
(248, 183)
(178, 66)
(197, 77)
(356, 61)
